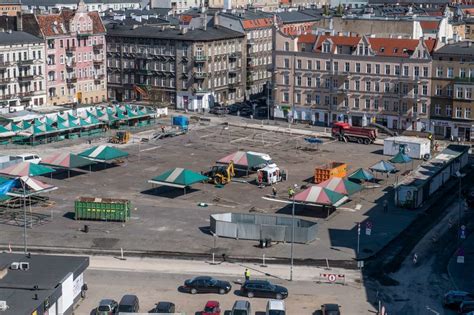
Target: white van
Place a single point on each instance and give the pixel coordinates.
(29, 157)
(276, 307)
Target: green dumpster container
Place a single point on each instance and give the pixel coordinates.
(102, 209)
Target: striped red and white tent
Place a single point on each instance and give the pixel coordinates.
(32, 187)
(26, 169)
(66, 160)
(239, 158)
(320, 196)
(341, 185)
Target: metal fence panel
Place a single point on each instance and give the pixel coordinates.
(273, 232)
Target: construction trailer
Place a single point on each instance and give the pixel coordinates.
(333, 169)
(427, 178)
(415, 148)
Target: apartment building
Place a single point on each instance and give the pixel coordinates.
(452, 110)
(91, 5)
(10, 7)
(323, 78)
(258, 28)
(75, 55)
(190, 68)
(22, 84)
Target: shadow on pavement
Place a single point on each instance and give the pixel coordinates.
(307, 211)
(62, 174)
(168, 192)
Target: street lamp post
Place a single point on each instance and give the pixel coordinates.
(268, 102)
(292, 235)
(25, 243)
(459, 175)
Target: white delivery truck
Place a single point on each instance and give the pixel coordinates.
(416, 148)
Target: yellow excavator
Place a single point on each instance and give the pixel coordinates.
(121, 137)
(220, 174)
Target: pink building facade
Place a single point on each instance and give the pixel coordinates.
(75, 55)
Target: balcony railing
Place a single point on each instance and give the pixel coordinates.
(26, 77)
(71, 80)
(26, 62)
(200, 75)
(465, 80)
(200, 58)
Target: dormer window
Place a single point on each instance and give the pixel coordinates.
(395, 50)
(382, 49)
(287, 46)
(366, 50)
(326, 47)
(361, 50)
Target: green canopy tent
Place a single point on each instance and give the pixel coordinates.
(179, 178)
(361, 175)
(3, 129)
(26, 169)
(60, 119)
(37, 122)
(103, 153)
(12, 127)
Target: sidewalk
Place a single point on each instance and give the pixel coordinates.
(461, 274)
(233, 269)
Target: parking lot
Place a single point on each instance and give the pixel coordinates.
(164, 219)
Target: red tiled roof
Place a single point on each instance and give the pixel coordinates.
(257, 23)
(337, 40)
(307, 39)
(429, 25)
(396, 47)
(58, 24)
(469, 11)
(185, 19)
(285, 2)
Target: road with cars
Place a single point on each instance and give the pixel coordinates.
(152, 286)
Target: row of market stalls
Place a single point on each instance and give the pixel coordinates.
(36, 129)
(21, 180)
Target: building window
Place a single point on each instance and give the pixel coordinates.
(423, 108)
(397, 70)
(377, 69)
(450, 72)
(439, 72)
(309, 65)
(376, 104)
(318, 82)
(308, 98)
(459, 92)
(358, 67)
(318, 65)
(415, 89)
(416, 72)
(335, 83)
(327, 83)
(326, 100)
(328, 65)
(387, 69)
(424, 90)
(439, 90)
(357, 85)
(462, 73)
(346, 102)
(298, 64)
(449, 90)
(367, 86)
(297, 98)
(346, 84)
(334, 100)
(287, 46)
(467, 113)
(406, 71)
(286, 97)
(317, 99)
(415, 108)
(298, 81)
(425, 72)
(387, 87)
(356, 102)
(437, 109)
(458, 112)
(326, 47)
(449, 110)
(287, 63)
(367, 104)
(309, 81)
(347, 67)
(377, 87)
(336, 66)
(385, 105)
(468, 93)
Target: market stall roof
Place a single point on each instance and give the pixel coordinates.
(66, 160)
(103, 153)
(32, 187)
(178, 177)
(242, 158)
(26, 169)
(383, 167)
(361, 174)
(321, 196)
(341, 185)
(401, 158)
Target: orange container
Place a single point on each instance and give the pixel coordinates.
(333, 169)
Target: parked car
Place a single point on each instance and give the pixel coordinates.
(275, 307)
(453, 299)
(107, 307)
(218, 110)
(206, 284)
(241, 308)
(164, 308)
(263, 288)
(330, 309)
(212, 308)
(29, 157)
(129, 304)
(466, 307)
(246, 111)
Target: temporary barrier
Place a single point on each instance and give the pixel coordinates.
(332, 278)
(259, 226)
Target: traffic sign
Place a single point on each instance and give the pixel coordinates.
(462, 232)
(368, 228)
(360, 264)
(332, 278)
(460, 258)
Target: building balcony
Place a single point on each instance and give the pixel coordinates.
(339, 73)
(70, 64)
(145, 71)
(71, 80)
(84, 34)
(250, 42)
(26, 95)
(70, 50)
(234, 55)
(459, 80)
(25, 78)
(200, 75)
(200, 91)
(200, 58)
(27, 62)
(98, 62)
(232, 86)
(98, 46)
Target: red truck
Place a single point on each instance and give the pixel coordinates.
(345, 132)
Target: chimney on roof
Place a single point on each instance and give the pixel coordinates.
(216, 19)
(19, 22)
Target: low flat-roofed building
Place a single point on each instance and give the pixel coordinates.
(45, 285)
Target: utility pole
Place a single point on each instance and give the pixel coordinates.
(292, 234)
